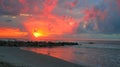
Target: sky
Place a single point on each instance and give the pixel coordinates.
(60, 19)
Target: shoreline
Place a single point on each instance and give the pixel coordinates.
(18, 57)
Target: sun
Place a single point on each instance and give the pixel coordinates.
(37, 34)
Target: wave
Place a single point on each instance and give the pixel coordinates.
(98, 46)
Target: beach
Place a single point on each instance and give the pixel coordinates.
(98, 54)
(19, 57)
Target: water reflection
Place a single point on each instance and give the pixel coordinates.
(58, 52)
(93, 57)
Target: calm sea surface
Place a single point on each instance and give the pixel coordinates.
(105, 54)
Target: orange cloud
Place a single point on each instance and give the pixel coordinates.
(47, 27)
(11, 33)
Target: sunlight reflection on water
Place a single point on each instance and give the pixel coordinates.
(90, 55)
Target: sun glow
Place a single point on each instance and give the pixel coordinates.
(37, 34)
(12, 33)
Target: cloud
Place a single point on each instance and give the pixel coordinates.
(94, 24)
(15, 7)
(87, 16)
(12, 33)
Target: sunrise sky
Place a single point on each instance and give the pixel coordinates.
(60, 19)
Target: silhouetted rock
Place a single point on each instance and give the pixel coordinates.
(35, 43)
(91, 42)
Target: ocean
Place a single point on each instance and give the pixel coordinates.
(97, 54)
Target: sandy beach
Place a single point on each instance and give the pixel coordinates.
(19, 57)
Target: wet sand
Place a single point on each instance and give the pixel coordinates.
(19, 57)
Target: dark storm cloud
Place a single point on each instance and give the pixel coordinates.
(111, 23)
(15, 7)
(9, 8)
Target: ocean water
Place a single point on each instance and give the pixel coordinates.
(99, 54)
